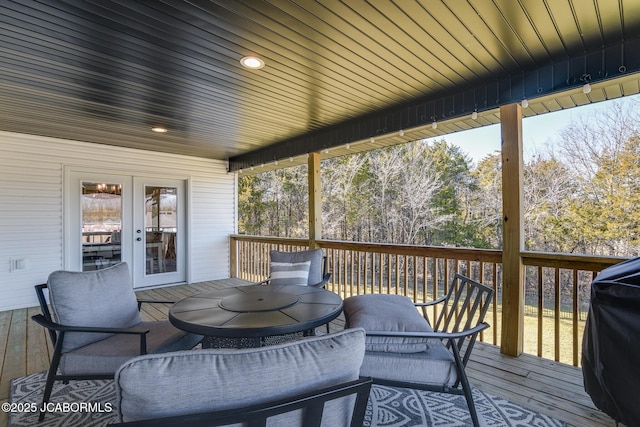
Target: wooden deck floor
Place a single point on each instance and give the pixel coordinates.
(545, 386)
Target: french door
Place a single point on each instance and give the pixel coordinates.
(112, 218)
(159, 231)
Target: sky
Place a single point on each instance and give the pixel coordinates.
(537, 131)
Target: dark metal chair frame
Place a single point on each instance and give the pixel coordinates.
(466, 301)
(257, 415)
(57, 333)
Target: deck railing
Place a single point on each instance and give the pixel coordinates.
(556, 285)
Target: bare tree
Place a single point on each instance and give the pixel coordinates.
(406, 182)
(345, 201)
(603, 151)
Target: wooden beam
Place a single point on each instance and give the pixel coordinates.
(513, 234)
(315, 201)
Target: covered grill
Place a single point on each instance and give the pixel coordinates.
(611, 343)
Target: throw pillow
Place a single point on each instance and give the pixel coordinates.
(286, 273)
(314, 256)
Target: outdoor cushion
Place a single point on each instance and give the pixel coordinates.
(286, 273)
(314, 256)
(106, 356)
(103, 298)
(217, 379)
(434, 366)
(399, 315)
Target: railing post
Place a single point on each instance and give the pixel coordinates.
(315, 200)
(233, 256)
(512, 339)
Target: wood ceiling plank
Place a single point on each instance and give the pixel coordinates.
(517, 33)
(562, 14)
(326, 50)
(345, 40)
(497, 34)
(542, 25)
(76, 65)
(451, 51)
(630, 10)
(611, 18)
(271, 97)
(380, 32)
(271, 48)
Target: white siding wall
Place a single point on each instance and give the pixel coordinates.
(31, 206)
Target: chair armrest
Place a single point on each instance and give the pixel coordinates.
(62, 329)
(424, 305)
(430, 303)
(41, 320)
(325, 280)
(435, 335)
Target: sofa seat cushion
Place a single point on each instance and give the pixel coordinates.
(383, 313)
(104, 357)
(219, 379)
(434, 366)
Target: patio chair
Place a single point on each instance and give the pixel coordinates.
(96, 325)
(307, 268)
(298, 268)
(403, 350)
(300, 383)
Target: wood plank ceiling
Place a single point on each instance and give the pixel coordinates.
(336, 73)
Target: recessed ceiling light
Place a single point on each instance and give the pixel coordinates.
(159, 129)
(252, 62)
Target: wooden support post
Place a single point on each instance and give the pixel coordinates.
(512, 231)
(315, 200)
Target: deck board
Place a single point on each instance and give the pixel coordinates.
(542, 385)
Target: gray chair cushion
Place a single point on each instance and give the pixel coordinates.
(400, 314)
(103, 298)
(217, 379)
(314, 256)
(434, 366)
(106, 356)
(413, 360)
(286, 273)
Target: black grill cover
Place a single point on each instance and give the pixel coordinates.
(611, 343)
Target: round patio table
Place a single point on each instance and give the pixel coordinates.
(255, 315)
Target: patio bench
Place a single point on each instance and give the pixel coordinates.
(297, 383)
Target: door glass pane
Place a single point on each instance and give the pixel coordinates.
(101, 225)
(161, 226)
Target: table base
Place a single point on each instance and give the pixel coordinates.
(250, 342)
(222, 342)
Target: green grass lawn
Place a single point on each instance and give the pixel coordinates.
(530, 345)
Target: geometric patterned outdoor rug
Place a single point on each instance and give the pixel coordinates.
(90, 403)
(396, 407)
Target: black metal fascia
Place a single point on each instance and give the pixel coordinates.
(609, 62)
